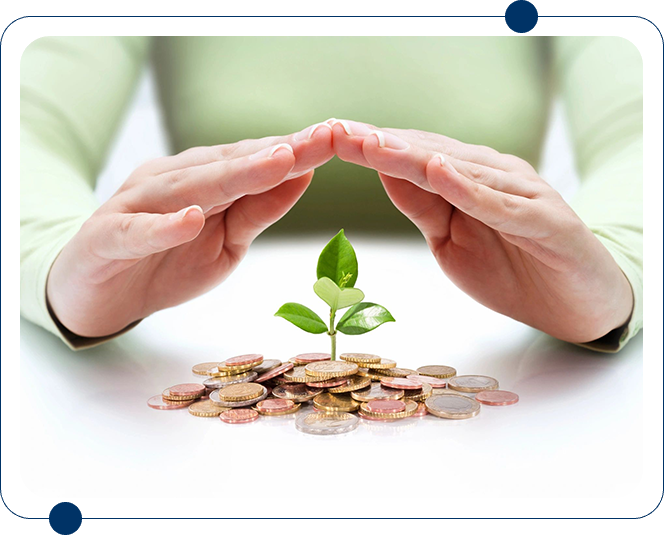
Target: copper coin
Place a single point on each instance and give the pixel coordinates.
(442, 372)
(384, 406)
(400, 383)
(244, 360)
(330, 383)
(297, 392)
(497, 397)
(159, 403)
(275, 405)
(306, 358)
(187, 389)
(266, 366)
(435, 382)
(274, 372)
(238, 416)
(421, 411)
(376, 391)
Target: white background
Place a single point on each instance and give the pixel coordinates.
(586, 439)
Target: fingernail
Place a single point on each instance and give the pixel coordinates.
(308, 133)
(389, 141)
(269, 151)
(441, 158)
(183, 213)
(352, 128)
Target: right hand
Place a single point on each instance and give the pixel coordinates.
(178, 227)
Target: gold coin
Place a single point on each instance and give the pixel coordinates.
(472, 383)
(295, 408)
(442, 372)
(217, 372)
(203, 368)
(330, 369)
(241, 392)
(396, 372)
(382, 365)
(411, 408)
(376, 391)
(236, 369)
(419, 395)
(355, 383)
(359, 358)
(453, 406)
(297, 375)
(371, 374)
(335, 402)
(205, 409)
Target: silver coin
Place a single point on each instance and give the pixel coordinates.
(298, 393)
(219, 382)
(453, 406)
(266, 366)
(326, 423)
(472, 383)
(214, 398)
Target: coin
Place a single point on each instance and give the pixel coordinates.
(266, 366)
(397, 372)
(497, 397)
(181, 395)
(243, 360)
(376, 391)
(221, 372)
(206, 409)
(187, 389)
(418, 395)
(326, 423)
(219, 382)
(241, 392)
(307, 358)
(371, 374)
(159, 403)
(267, 411)
(355, 382)
(329, 383)
(421, 411)
(274, 372)
(385, 406)
(435, 382)
(274, 405)
(453, 406)
(410, 409)
(442, 372)
(331, 369)
(297, 375)
(335, 402)
(203, 368)
(360, 358)
(216, 399)
(403, 384)
(381, 365)
(472, 383)
(297, 392)
(238, 416)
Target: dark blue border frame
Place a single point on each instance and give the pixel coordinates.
(645, 18)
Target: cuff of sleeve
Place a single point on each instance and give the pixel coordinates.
(616, 339)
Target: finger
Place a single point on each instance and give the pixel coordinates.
(501, 211)
(428, 211)
(133, 236)
(347, 139)
(252, 214)
(221, 182)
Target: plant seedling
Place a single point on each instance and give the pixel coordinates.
(337, 274)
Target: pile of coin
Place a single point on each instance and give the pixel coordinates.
(242, 389)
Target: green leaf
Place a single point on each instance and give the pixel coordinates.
(303, 317)
(337, 261)
(362, 318)
(336, 297)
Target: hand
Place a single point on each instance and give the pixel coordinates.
(178, 227)
(497, 229)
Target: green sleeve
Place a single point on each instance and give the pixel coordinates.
(73, 94)
(601, 80)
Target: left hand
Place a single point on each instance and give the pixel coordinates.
(498, 230)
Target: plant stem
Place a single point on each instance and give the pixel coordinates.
(333, 334)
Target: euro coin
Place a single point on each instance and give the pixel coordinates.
(360, 358)
(397, 372)
(299, 393)
(297, 375)
(238, 416)
(418, 395)
(472, 383)
(329, 370)
(159, 403)
(326, 423)
(184, 392)
(241, 392)
(308, 358)
(266, 366)
(217, 400)
(206, 409)
(400, 383)
(274, 405)
(376, 391)
(243, 360)
(355, 382)
(452, 406)
(373, 375)
(421, 411)
(329, 383)
(203, 368)
(410, 408)
(385, 406)
(442, 372)
(382, 364)
(435, 382)
(335, 402)
(219, 382)
(497, 397)
(274, 372)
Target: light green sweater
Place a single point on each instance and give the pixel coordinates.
(492, 91)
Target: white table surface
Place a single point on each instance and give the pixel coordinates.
(571, 447)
